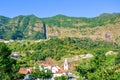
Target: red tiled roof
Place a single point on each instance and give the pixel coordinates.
(60, 70)
(24, 70)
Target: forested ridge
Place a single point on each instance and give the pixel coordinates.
(31, 27)
(99, 67)
(57, 48)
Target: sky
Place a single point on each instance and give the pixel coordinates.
(48, 8)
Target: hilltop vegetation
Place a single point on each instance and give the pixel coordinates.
(21, 27)
(8, 66)
(57, 48)
(99, 67)
(82, 22)
(31, 27)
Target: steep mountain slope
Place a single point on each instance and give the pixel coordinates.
(31, 27)
(96, 27)
(22, 27)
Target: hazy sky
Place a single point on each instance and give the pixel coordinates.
(47, 8)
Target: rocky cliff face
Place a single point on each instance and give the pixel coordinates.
(32, 27)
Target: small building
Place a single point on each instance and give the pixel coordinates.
(25, 71)
(110, 53)
(56, 70)
(15, 55)
(86, 56)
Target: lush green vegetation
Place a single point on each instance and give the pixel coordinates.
(21, 27)
(57, 48)
(41, 74)
(63, 77)
(8, 66)
(65, 21)
(31, 27)
(100, 67)
(96, 68)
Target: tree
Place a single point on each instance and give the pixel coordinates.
(17, 35)
(117, 59)
(63, 77)
(6, 62)
(99, 58)
(92, 69)
(38, 56)
(43, 74)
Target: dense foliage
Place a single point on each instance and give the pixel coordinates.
(31, 27)
(117, 59)
(21, 27)
(63, 77)
(43, 74)
(101, 67)
(65, 21)
(8, 67)
(57, 48)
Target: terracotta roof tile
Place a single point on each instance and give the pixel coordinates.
(25, 70)
(60, 70)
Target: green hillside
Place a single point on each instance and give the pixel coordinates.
(82, 22)
(57, 48)
(31, 27)
(21, 27)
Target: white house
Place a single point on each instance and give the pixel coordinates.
(56, 70)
